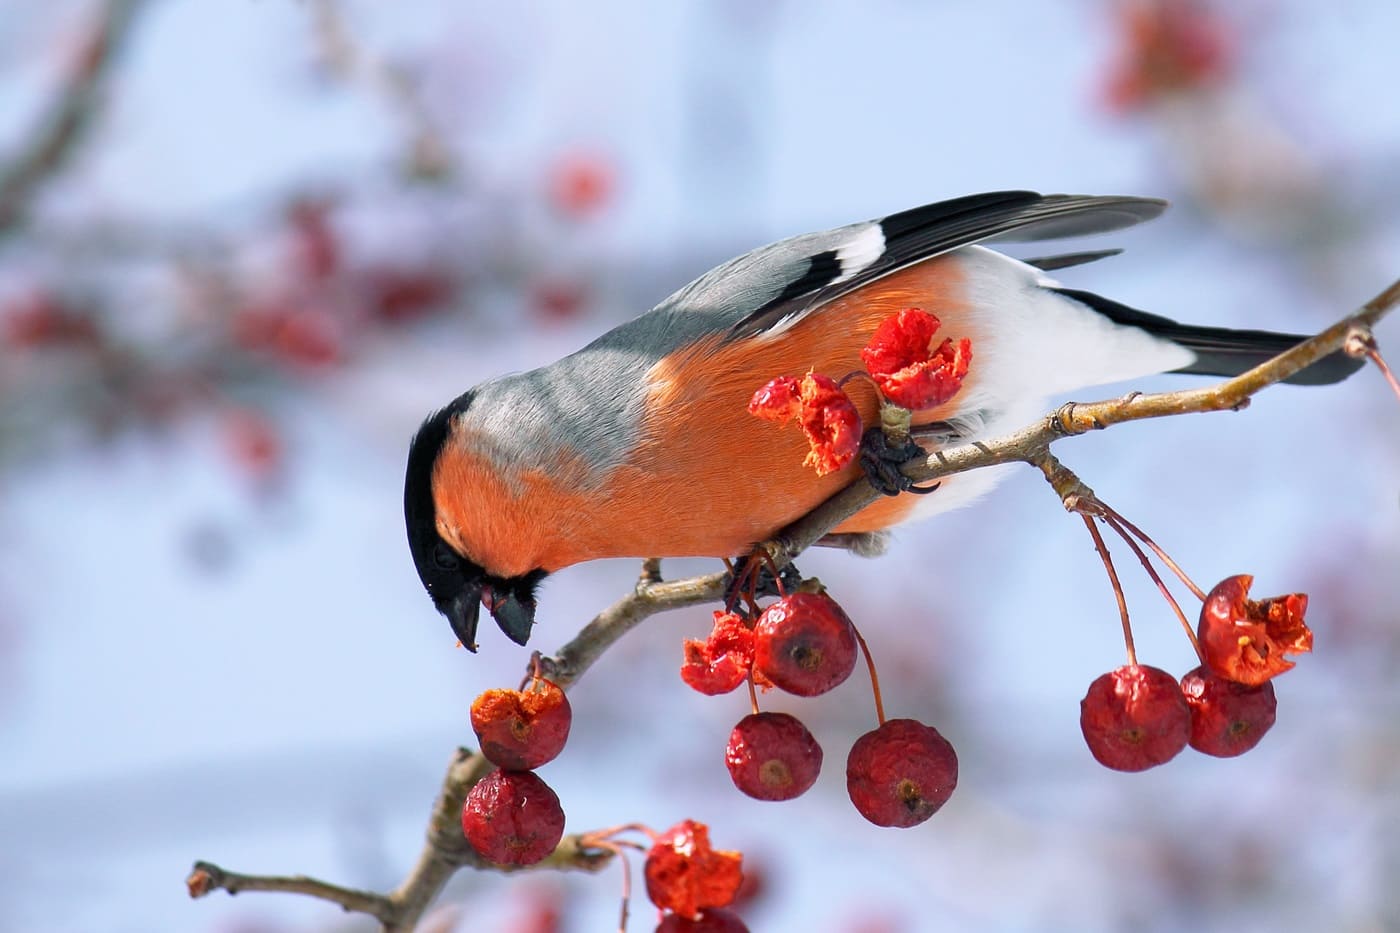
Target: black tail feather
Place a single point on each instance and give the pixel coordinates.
(1221, 351)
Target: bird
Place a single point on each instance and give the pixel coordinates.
(640, 444)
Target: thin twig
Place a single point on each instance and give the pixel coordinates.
(206, 877)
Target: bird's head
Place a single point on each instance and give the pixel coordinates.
(458, 585)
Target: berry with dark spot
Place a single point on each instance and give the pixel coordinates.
(772, 756)
(1227, 718)
(805, 644)
(1135, 718)
(901, 773)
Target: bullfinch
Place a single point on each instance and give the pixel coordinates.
(641, 445)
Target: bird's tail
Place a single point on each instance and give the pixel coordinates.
(1221, 351)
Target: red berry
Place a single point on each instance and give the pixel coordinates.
(713, 920)
(772, 756)
(805, 644)
(901, 773)
(1245, 640)
(1227, 718)
(513, 818)
(721, 662)
(684, 874)
(522, 729)
(1134, 718)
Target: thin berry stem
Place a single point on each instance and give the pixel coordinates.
(1373, 352)
(1161, 586)
(1110, 513)
(1117, 587)
(874, 677)
(777, 575)
(753, 695)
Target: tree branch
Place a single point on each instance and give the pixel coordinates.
(446, 850)
(70, 115)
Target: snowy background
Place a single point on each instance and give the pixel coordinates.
(286, 230)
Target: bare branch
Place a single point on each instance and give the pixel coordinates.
(69, 117)
(206, 877)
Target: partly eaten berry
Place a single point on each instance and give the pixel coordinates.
(722, 661)
(513, 818)
(826, 413)
(909, 371)
(901, 773)
(1245, 640)
(685, 875)
(522, 729)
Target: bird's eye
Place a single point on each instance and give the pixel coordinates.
(444, 558)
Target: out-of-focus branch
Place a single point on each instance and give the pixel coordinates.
(446, 850)
(71, 114)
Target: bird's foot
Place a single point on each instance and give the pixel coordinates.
(881, 460)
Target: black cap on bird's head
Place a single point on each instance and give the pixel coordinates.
(458, 586)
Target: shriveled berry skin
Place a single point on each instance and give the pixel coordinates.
(713, 920)
(805, 644)
(519, 730)
(513, 818)
(685, 874)
(1134, 718)
(772, 756)
(901, 773)
(1227, 718)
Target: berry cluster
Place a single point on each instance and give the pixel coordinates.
(900, 359)
(899, 774)
(511, 816)
(1138, 717)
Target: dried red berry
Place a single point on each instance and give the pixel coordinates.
(513, 818)
(1227, 718)
(805, 644)
(1245, 640)
(1134, 718)
(684, 874)
(522, 729)
(721, 662)
(826, 413)
(901, 773)
(772, 756)
(713, 920)
(907, 371)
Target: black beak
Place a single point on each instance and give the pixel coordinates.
(462, 614)
(513, 613)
